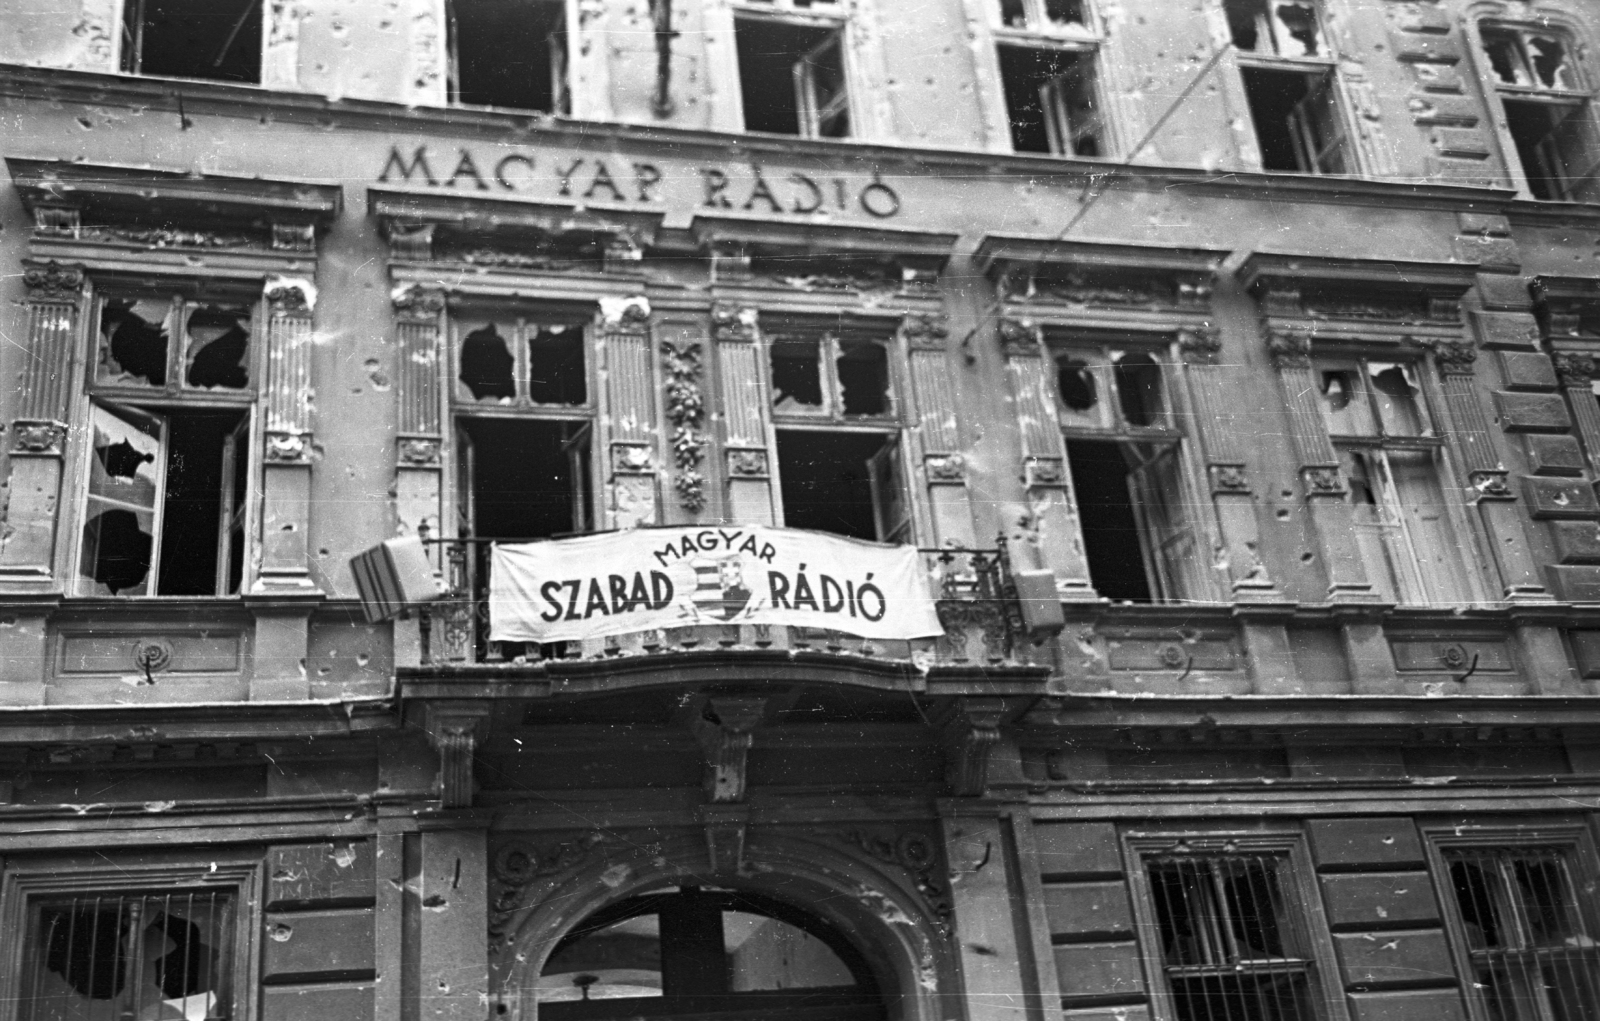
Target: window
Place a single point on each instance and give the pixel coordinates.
(1240, 932)
(1047, 55)
(166, 499)
(839, 455)
(509, 53)
(1546, 110)
(1533, 954)
(216, 40)
(1391, 457)
(684, 949)
(1127, 473)
(1290, 85)
(792, 72)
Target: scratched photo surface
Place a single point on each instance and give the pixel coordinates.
(814, 510)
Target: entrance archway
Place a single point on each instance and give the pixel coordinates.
(691, 952)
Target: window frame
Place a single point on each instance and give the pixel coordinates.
(130, 50)
(1325, 987)
(827, 16)
(559, 44)
(1573, 838)
(1413, 572)
(1325, 69)
(1085, 42)
(163, 400)
(28, 881)
(1580, 97)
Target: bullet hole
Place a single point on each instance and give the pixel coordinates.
(85, 123)
(280, 932)
(1283, 515)
(983, 951)
(434, 902)
(362, 659)
(1306, 557)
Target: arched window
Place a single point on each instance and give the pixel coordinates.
(698, 952)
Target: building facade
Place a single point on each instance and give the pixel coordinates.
(1233, 364)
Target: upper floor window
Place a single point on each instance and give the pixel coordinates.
(1290, 85)
(1393, 462)
(1546, 110)
(169, 415)
(509, 53)
(838, 432)
(1520, 913)
(1047, 52)
(793, 68)
(216, 40)
(1124, 453)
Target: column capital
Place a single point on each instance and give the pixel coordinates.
(1454, 357)
(414, 303)
(290, 296)
(926, 331)
(52, 281)
(1289, 347)
(625, 314)
(1575, 369)
(1019, 337)
(1201, 344)
(732, 323)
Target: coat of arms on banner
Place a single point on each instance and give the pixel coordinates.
(720, 590)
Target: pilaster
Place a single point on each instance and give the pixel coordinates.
(419, 435)
(630, 454)
(984, 896)
(746, 441)
(944, 468)
(286, 439)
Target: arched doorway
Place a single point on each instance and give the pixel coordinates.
(694, 953)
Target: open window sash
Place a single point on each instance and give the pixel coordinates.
(121, 548)
(886, 474)
(1317, 129)
(1070, 120)
(577, 447)
(1174, 558)
(235, 511)
(821, 95)
(560, 91)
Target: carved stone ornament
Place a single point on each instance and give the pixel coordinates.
(1575, 369)
(733, 323)
(294, 237)
(455, 732)
(946, 468)
(38, 438)
(1229, 478)
(926, 332)
(1200, 345)
(686, 411)
(1038, 472)
(1195, 290)
(1490, 484)
(625, 315)
(290, 296)
(516, 864)
(632, 459)
(411, 241)
(419, 451)
(914, 852)
(416, 304)
(57, 220)
(621, 246)
(724, 732)
(1454, 357)
(1019, 337)
(748, 464)
(171, 237)
(970, 735)
(1323, 481)
(51, 281)
(152, 655)
(1290, 349)
(287, 447)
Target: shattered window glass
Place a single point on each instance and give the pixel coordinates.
(555, 364)
(1283, 28)
(864, 379)
(1549, 59)
(125, 479)
(1529, 59)
(1013, 14)
(134, 341)
(797, 376)
(487, 364)
(1297, 30)
(1399, 398)
(146, 956)
(218, 347)
(1063, 12)
(1139, 388)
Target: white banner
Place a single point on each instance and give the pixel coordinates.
(649, 578)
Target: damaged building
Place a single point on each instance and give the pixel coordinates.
(1231, 365)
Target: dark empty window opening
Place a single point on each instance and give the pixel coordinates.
(218, 349)
(134, 341)
(819, 373)
(1280, 28)
(1110, 522)
(522, 361)
(847, 483)
(797, 376)
(1297, 121)
(487, 364)
(509, 53)
(1080, 392)
(214, 40)
(105, 957)
(792, 78)
(1550, 141)
(863, 378)
(1139, 389)
(167, 506)
(136, 344)
(1528, 59)
(1041, 15)
(525, 479)
(555, 364)
(1051, 101)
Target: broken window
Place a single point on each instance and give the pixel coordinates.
(1546, 111)
(1041, 15)
(817, 372)
(1278, 28)
(1534, 956)
(792, 77)
(512, 360)
(1230, 938)
(705, 951)
(1391, 461)
(166, 505)
(109, 957)
(137, 346)
(509, 53)
(215, 40)
(1126, 462)
(1297, 121)
(1051, 100)
(847, 483)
